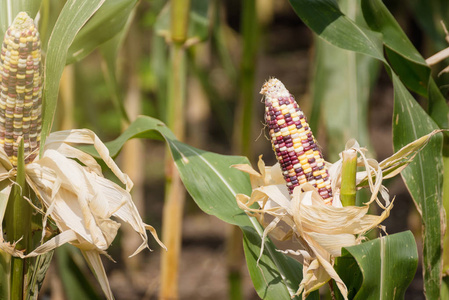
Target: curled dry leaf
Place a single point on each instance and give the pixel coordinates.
(319, 231)
(78, 199)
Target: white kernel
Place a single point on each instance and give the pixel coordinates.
(283, 148)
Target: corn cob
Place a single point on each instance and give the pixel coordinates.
(21, 88)
(293, 143)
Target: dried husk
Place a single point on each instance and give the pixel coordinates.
(78, 199)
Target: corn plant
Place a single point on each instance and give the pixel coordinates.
(53, 194)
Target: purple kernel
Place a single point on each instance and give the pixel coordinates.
(311, 160)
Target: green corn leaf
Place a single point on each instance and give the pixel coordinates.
(402, 55)
(72, 18)
(405, 60)
(383, 267)
(424, 178)
(106, 23)
(110, 51)
(329, 23)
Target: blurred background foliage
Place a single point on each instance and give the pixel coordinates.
(236, 46)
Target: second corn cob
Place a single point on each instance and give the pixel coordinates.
(21, 88)
(293, 142)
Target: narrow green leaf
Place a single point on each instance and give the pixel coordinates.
(403, 57)
(387, 264)
(107, 22)
(446, 208)
(329, 23)
(264, 274)
(10, 8)
(423, 177)
(405, 60)
(110, 51)
(438, 108)
(72, 18)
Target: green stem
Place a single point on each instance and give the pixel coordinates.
(179, 20)
(174, 192)
(18, 225)
(348, 178)
(176, 91)
(243, 132)
(250, 31)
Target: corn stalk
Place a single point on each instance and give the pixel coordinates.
(175, 194)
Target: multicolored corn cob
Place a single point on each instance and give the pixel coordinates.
(21, 88)
(293, 143)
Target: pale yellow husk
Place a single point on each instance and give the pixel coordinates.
(78, 199)
(319, 231)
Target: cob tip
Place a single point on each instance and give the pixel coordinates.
(22, 22)
(274, 88)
